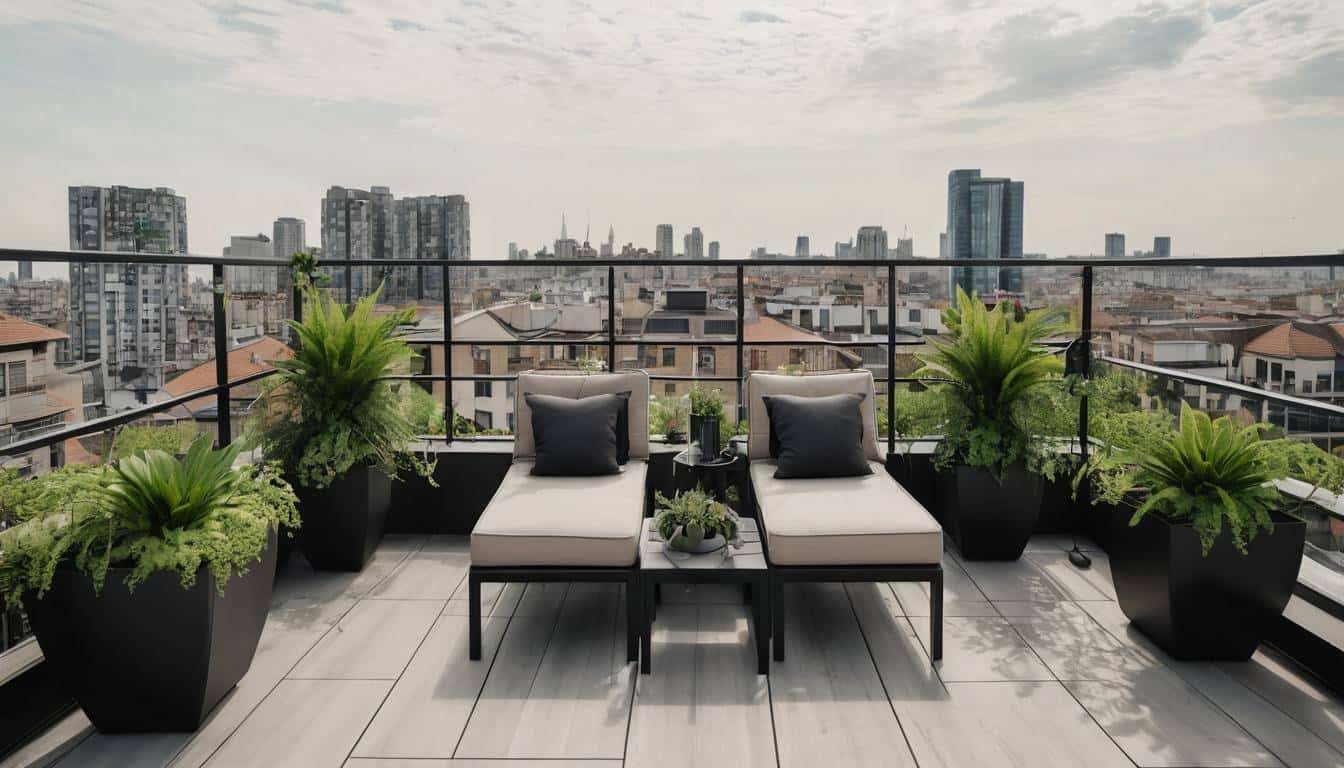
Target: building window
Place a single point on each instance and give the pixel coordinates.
(795, 356)
(758, 360)
(669, 357)
(1275, 371)
(669, 388)
(705, 360)
(485, 389)
(1323, 382)
(17, 376)
(1261, 370)
(485, 420)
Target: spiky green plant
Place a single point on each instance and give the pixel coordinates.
(1210, 473)
(330, 407)
(147, 512)
(985, 371)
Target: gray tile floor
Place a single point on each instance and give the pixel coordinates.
(1040, 668)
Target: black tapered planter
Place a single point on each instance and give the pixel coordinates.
(989, 519)
(156, 659)
(1214, 608)
(343, 523)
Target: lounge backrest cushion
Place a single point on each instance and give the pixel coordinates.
(576, 385)
(807, 385)
(818, 436)
(577, 437)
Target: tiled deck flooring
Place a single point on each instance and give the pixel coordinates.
(370, 670)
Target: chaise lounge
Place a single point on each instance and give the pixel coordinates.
(566, 528)
(859, 528)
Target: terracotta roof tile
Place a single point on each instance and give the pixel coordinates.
(1288, 341)
(17, 332)
(250, 358)
(769, 329)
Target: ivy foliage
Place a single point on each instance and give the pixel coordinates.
(147, 512)
(329, 408)
(986, 374)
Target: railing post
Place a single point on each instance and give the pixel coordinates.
(891, 359)
(448, 410)
(611, 319)
(1086, 341)
(222, 422)
(742, 410)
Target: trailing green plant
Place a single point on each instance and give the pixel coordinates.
(1210, 473)
(147, 512)
(173, 438)
(329, 408)
(986, 371)
(693, 512)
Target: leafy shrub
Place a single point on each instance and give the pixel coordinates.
(667, 415)
(136, 438)
(707, 402)
(987, 370)
(691, 511)
(328, 408)
(147, 512)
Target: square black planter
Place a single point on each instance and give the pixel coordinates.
(1214, 608)
(156, 659)
(343, 523)
(989, 519)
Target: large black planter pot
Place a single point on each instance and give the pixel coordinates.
(157, 659)
(343, 523)
(1214, 608)
(986, 518)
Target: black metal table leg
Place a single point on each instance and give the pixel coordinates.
(760, 609)
(646, 627)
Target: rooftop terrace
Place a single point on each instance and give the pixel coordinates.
(370, 670)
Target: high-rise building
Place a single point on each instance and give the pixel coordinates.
(252, 279)
(127, 315)
(608, 249)
(714, 250)
(1162, 247)
(513, 251)
(288, 237)
(25, 270)
(984, 221)
(694, 243)
(663, 241)
(357, 224)
(871, 244)
(1115, 245)
(905, 248)
(843, 250)
(802, 247)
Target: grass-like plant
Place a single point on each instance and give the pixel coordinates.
(992, 362)
(329, 408)
(147, 512)
(694, 515)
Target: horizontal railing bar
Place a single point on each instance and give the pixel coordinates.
(628, 342)
(117, 257)
(118, 419)
(1242, 389)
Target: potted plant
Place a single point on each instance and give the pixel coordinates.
(1210, 554)
(707, 421)
(990, 467)
(338, 427)
(147, 581)
(692, 521)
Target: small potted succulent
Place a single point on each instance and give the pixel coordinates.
(1209, 556)
(692, 521)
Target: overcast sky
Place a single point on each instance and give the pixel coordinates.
(1216, 123)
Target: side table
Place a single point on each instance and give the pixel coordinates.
(745, 566)
(689, 470)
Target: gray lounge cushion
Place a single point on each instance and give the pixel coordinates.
(817, 436)
(576, 385)
(577, 521)
(579, 437)
(868, 520)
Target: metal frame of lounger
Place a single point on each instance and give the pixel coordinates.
(628, 575)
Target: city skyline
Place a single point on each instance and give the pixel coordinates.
(1238, 100)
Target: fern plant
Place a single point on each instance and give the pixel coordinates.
(1210, 473)
(329, 408)
(985, 372)
(147, 512)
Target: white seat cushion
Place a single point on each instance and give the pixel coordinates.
(867, 520)
(577, 521)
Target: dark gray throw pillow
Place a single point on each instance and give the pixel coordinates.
(818, 436)
(577, 437)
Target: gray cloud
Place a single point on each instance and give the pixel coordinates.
(1041, 66)
(908, 64)
(756, 17)
(1226, 11)
(1316, 79)
(406, 25)
(243, 19)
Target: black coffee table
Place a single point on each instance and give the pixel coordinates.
(745, 566)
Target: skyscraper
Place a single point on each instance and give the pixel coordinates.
(1162, 247)
(356, 225)
(942, 246)
(843, 250)
(694, 244)
(25, 270)
(1115, 245)
(250, 279)
(608, 249)
(426, 227)
(984, 221)
(513, 251)
(663, 241)
(905, 248)
(128, 315)
(288, 237)
(870, 244)
(802, 247)
(714, 250)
